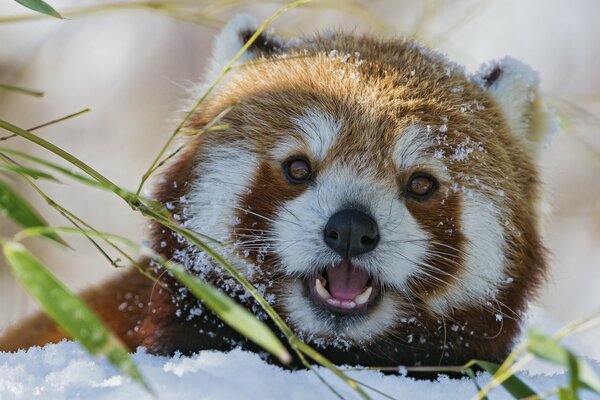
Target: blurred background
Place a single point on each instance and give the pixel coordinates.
(133, 64)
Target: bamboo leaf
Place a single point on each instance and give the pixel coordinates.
(19, 210)
(41, 7)
(548, 349)
(56, 167)
(61, 153)
(469, 372)
(513, 385)
(68, 311)
(566, 394)
(31, 172)
(21, 90)
(232, 313)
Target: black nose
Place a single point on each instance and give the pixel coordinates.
(351, 233)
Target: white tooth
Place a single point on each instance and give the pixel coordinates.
(334, 302)
(348, 304)
(321, 289)
(364, 296)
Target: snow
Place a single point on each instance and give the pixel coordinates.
(65, 371)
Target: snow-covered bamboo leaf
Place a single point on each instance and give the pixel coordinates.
(41, 7)
(548, 349)
(513, 385)
(67, 310)
(232, 313)
(19, 210)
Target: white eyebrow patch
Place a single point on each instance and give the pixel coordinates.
(317, 133)
(411, 147)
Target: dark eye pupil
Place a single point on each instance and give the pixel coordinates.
(421, 185)
(299, 170)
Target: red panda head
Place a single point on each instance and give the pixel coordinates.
(370, 189)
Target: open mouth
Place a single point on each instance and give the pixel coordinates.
(343, 288)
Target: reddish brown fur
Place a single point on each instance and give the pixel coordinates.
(402, 99)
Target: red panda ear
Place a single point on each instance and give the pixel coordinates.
(233, 37)
(515, 87)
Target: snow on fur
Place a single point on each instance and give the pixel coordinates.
(65, 371)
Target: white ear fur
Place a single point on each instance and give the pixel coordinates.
(515, 86)
(231, 40)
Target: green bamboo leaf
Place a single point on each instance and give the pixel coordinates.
(232, 313)
(548, 349)
(68, 311)
(513, 385)
(574, 373)
(74, 175)
(31, 172)
(566, 394)
(19, 210)
(469, 372)
(21, 90)
(41, 7)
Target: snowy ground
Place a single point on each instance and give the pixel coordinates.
(65, 371)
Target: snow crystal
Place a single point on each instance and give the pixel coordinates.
(463, 150)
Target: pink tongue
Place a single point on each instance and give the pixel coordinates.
(345, 281)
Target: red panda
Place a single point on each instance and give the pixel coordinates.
(384, 201)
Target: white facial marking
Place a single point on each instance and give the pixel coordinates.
(413, 150)
(410, 147)
(318, 131)
(485, 257)
(225, 176)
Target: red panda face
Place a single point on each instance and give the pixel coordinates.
(363, 185)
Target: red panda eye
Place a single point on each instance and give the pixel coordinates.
(297, 170)
(421, 185)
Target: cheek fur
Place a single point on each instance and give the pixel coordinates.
(257, 212)
(484, 260)
(445, 249)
